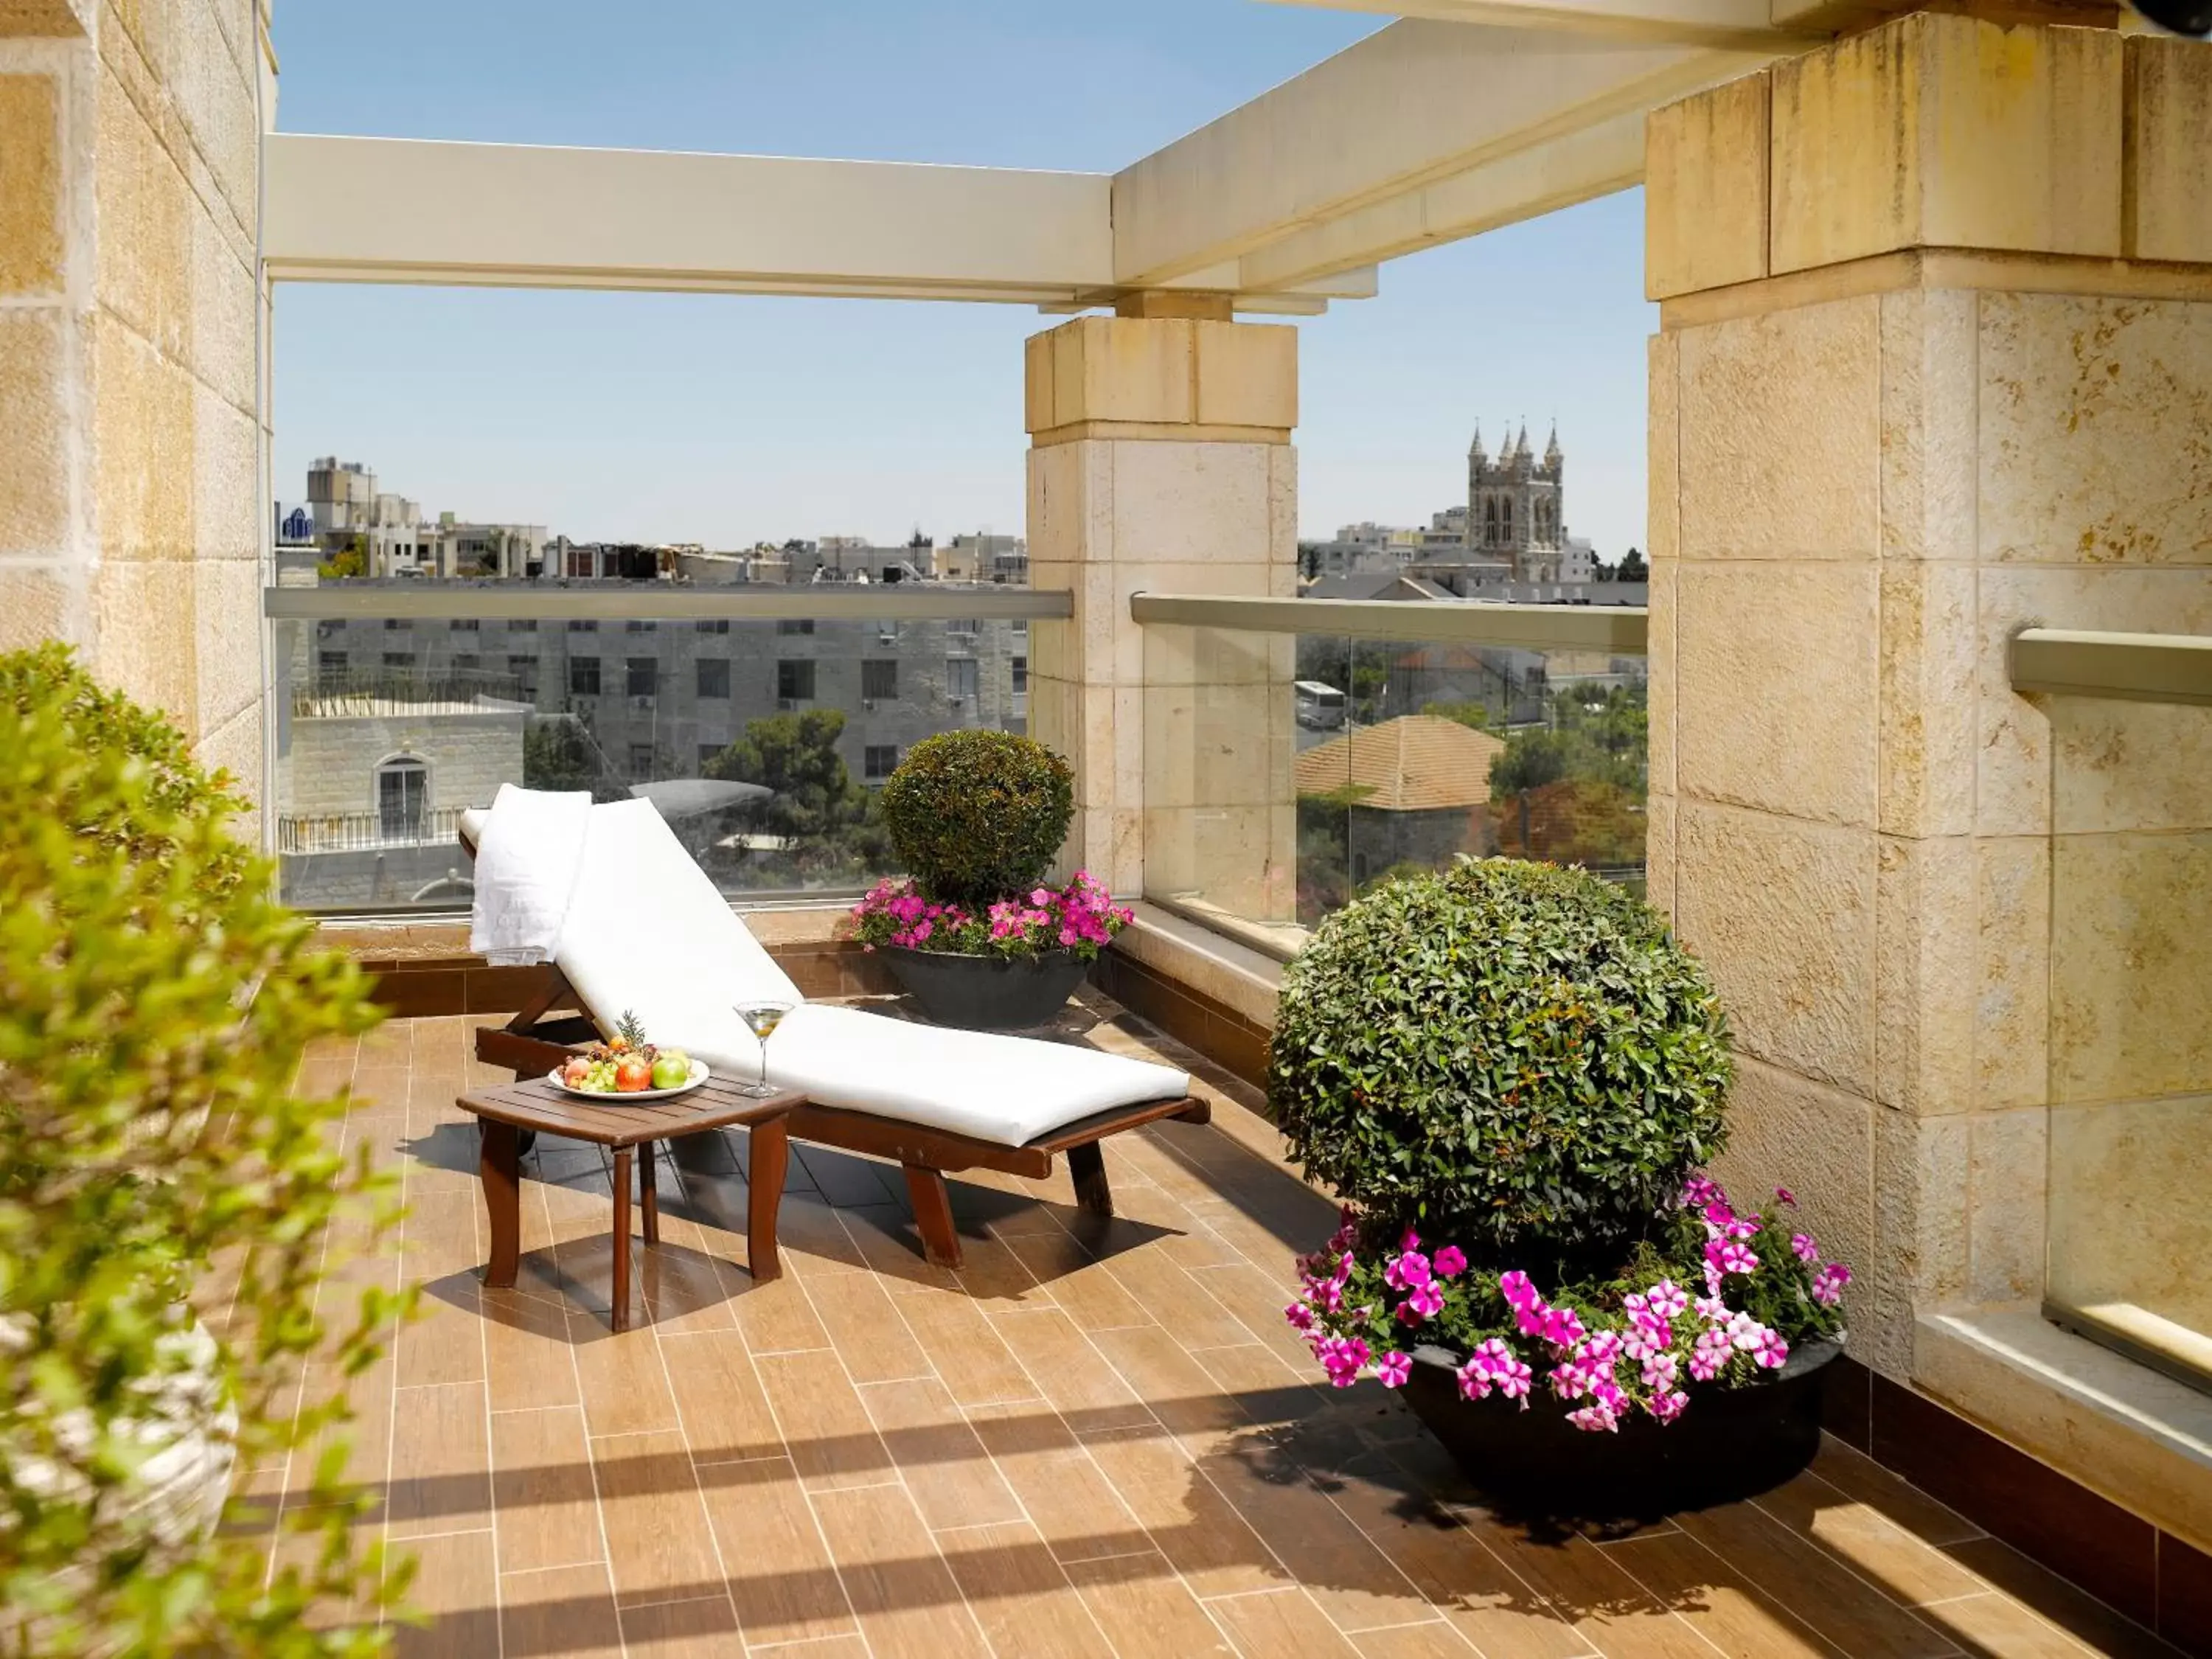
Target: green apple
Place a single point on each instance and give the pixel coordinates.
(671, 1071)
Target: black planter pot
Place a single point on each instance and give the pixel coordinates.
(986, 993)
(1728, 1444)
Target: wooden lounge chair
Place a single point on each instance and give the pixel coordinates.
(647, 932)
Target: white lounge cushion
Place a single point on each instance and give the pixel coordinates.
(648, 933)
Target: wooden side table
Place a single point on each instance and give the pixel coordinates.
(504, 1111)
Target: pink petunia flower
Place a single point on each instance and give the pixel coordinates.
(1730, 1256)
(1450, 1261)
(1667, 1299)
(1516, 1289)
(1407, 1271)
(1828, 1284)
(1659, 1370)
(1474, 1380)
(1596, 1418)
(1426, 1302)
(1393, 1368)
(1804, 1246)
(1300, 1316)
(1771, 1352)
(1786, 1196)
(1667, 1406)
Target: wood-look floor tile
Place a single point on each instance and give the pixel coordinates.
(1437, 1641)
(1162, 1374)
(659, 1546)
(444, 1341)
(780, 1577)
(542, 1490)
(1186, 1518)
(812, 1241)
(1064, 1492)
(563, 1612)
(725, 1415)
(1154, 1279)
(1282, 1624)
(902, 1591)
(884, 1236)
(455, 1584)
(1085, 1287)
(1351, 1580)
(1827, 1595)
(441, 1463)
(972, 1362)
(777, 1318)
(1856, 1474)
(1498, 1612)
(1073, 1376)
(625, 1385)
(1616, 1615)
(994, 1275)
(1726, 1608)
(952, 1477)
(685, 1286)
(1258, 1301)
(1868, 1541)
(833, 1647)
(867, 1329)
(527, 1359)
(1266, 1387)
(2097, 1626)
(1994, 1623)
(1020, 1596)
(832, 1440)
(1146, 1609)
(702, 1628)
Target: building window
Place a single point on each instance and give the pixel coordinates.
(794, 681)
(1021, 676)
(967, 625)
(583, 676)
(879, 761)
(391, 622)
(713, 625)
(639, 625)
(1505, 517)
(644, 675)
(401, 659)
(402, 789)
(960, 677)
(464, 625)
(592, 627)
(803, 625)
(641, 762)
(713, 677)
(332, 664)
(525, 670)
(1490, 518)
(878, 680)
(709, 753)
(526, 625)
(467, 663)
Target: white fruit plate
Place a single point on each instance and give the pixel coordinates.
(699, 1075)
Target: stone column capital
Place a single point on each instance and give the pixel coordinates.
(1174, 380)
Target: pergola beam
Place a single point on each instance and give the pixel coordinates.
(1742, 24)
(1336, 160)
(419, 211)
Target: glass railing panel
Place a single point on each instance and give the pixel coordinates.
(764, 743)
(1385, 756)
(2129, 1230)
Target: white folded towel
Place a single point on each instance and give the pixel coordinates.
(527, 859)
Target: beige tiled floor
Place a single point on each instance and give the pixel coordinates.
(1098, 1439)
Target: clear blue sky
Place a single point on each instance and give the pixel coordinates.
(724, 419)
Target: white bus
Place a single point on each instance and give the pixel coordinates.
(1320, 707)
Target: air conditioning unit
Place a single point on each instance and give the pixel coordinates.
(787, 705)
(868, 705)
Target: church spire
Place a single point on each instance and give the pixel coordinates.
(1551, 451)
(1521, 445)
(1474, 450)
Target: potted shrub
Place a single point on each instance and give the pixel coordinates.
(1515, 1078)
(976, 817)
(155, 999)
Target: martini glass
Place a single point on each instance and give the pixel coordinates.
(762, 1018)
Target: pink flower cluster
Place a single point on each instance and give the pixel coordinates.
(1081, 917)
(1606, 1366)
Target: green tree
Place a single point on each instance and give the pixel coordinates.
(1474, 715)
(349, 562)
(559, 754)
(829, 821)
(1632, 568)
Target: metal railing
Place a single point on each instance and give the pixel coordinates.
(552, 600)
(365, 832)
(362, 692)
(1622, 630)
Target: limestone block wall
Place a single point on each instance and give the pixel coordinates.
(130, 515)
(1161, 462)
(331, 765)
(1934, 364)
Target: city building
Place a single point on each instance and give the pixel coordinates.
(1515, 506)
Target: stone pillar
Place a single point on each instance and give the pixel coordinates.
(131, 507)
(1935, 363)
(1160, 462)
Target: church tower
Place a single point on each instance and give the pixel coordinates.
(1515, 505)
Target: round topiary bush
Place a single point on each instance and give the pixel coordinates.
(1516, 1057)
(977, 815)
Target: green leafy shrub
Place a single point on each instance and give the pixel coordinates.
(155, 1166)
(1515, 1056)
(976, 815)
